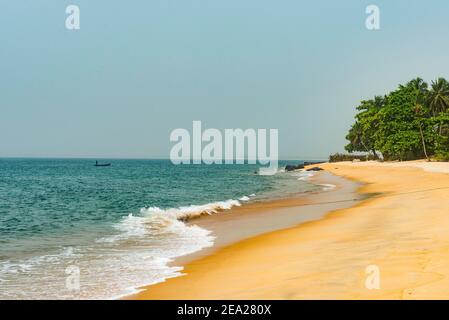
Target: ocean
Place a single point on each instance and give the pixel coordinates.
(118, 227)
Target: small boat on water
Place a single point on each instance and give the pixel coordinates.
(102, 164)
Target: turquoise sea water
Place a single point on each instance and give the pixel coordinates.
(119, 226)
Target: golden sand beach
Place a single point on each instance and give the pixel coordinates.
(402, 229)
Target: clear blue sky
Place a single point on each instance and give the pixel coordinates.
(138, 69)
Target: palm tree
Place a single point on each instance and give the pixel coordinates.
(421, 113)
(418, 84)
(438, 97)
(356, 138)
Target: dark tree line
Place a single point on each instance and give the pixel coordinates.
(409, 123)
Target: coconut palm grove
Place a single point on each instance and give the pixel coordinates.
(409, 123)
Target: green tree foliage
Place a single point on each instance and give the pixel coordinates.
(411, 122)
(438, 96)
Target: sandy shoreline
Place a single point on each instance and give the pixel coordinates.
(402, 231)
(253, 219)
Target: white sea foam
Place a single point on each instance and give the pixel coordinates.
(139, 253)
(168, 236)
(327, 187)
(269, 171)
(303, 175)
(189, 212)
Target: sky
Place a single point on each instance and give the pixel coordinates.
(137, 70)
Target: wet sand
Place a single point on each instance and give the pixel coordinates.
(257, 218)
(402, 231)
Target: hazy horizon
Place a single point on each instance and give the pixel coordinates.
(136, 158)
(117, 87)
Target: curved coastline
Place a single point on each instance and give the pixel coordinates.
(257, 219)
(401, 230)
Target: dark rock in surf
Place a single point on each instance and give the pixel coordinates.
(315, 169)
(292, 167)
